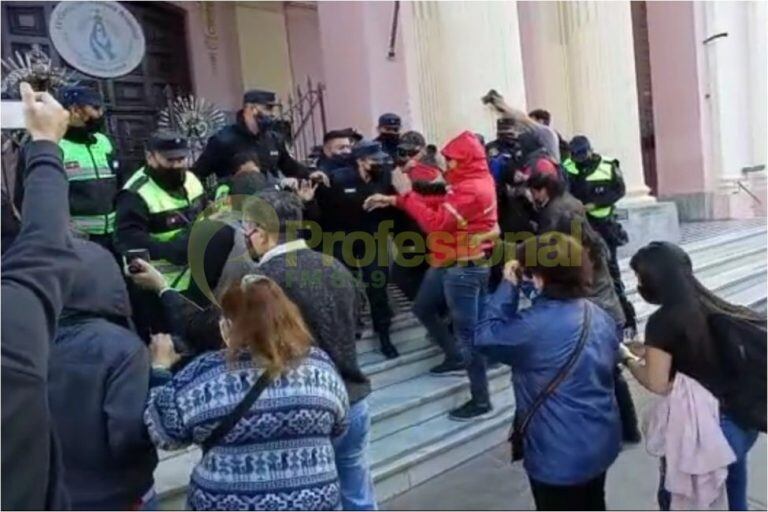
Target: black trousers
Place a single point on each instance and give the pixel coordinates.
(375, 278)
(589, 495)
(604, 229)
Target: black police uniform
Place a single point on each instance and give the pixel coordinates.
(388, 142)
(236, 138)
(341, 210)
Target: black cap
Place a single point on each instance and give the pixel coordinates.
(412, 140)
(369, 149)
(505, 124)
(169, 144)
(79, 95)
(390, 120)
(260, 96)
(579, 146)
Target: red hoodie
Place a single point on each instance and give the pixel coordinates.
(469, 207)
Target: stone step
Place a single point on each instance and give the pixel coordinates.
(415, 455)
(402, 405)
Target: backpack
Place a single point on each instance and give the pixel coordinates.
(741, 348)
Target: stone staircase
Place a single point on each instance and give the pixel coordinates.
(412, 439)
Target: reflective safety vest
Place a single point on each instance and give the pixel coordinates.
(602, 173)
(222, 191)
(168, 216)
(92, 184)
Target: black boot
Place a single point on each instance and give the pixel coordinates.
(387, 348)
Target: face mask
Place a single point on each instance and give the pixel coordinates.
(169, 178)
(377, 168)
(94, 124)
(264, 121)
(341, 159)
(389, 138)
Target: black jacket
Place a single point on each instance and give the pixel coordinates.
(600, 193)
(98, 385)
(236, 138)
(37, 273)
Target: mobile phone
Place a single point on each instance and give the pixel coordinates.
(134, 254)
(12, 115)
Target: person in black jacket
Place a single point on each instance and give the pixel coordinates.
(253, 131)
(98, 386)
(389, 133)
(342, 213)
(337, 151)
(37, 273)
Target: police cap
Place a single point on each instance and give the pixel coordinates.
(79, 95)
(579, 146)
(368, 149)
(169, 144)
(390, 120)
(260, 97)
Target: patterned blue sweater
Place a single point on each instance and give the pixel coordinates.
(279, 456)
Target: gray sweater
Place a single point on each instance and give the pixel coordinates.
(328, 296)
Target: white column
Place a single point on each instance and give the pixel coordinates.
(455, 52)
(602, 84)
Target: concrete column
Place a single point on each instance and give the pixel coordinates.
(733, 80)
(455, 52)
(362, 82)
(602, 84)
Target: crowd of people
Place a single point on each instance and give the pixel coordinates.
(218, 303)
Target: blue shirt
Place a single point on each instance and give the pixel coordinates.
(576, 434)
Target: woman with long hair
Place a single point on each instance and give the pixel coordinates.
(679, 338)
(277, 454)
(563, 351)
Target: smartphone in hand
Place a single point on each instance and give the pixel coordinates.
(134, 254)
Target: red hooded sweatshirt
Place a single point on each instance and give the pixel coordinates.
(469, 207)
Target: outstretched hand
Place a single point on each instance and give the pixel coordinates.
(378, 201)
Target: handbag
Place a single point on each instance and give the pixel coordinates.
(520, 425)
(228, 423)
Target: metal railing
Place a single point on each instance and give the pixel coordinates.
(304, 114)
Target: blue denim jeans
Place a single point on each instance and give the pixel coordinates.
(352, 463)
(461, 289)
(741, 442)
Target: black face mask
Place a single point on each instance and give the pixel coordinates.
(94, 124)
(265, 122)
(341, 159)
(378, 168)
(389, 139)
(169, 178)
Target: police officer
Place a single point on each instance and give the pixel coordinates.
(389, 133)
(597, 182)
(341, 210)
(89, 160)
(158, 205)
(253, 131)
(336, 152)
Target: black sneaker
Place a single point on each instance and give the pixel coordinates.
(470, 411)
(448, 367)
(387, 348)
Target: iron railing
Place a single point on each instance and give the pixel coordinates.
(304, 116)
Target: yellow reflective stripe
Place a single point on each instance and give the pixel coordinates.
(462, 222)
(178, 276)
(94, 224)
(570, 166)
(601, 212)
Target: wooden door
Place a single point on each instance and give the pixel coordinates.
(132, 101)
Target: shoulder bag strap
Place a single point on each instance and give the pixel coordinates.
(561, 374)
(228, 423)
